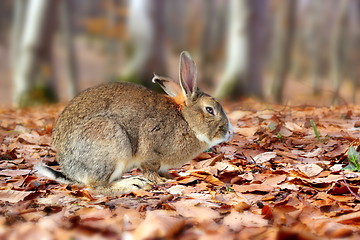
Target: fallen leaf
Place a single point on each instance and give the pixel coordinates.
(142, 193)
(15, 172)
(236, 115)
(310, 170)
(350, 218)
(253, 188)
(293, 126)
(264, 157)
(157, 226)
(314, 153)
(13, 196)
(285, 132)
(189, 210)
(246, 131)
(207, 177)
(236, 221)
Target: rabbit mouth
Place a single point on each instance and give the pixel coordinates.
(230, 133)
(216, 140)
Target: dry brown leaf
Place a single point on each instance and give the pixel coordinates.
(329, 179)
(211, 161)
(252, 188)
(274, 180)
(13, 196)
(293, 126)
(187, 209)
(158, 225)
(177, 189)
(236, 220)
(207, 177)
(15, 172)
(310, 170)
(314, 153)
(264, 157)
(246, 131)
(285, 132)
(142, 193)
(203, 155)
(34, 138)
(350, 218)
(236, 115)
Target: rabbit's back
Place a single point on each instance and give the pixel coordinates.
(127, 104)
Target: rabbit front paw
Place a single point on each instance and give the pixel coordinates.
(132, 183)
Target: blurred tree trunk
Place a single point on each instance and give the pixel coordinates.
(244, 53)
(33, 74)
(212, 38)
(17, 26)
(282, 46)
(314, 44)
(68, 40)
(112, 43)
(355, 55)
(336, 47)
(208, 41)
(146, 26)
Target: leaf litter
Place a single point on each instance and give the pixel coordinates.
(283, 175)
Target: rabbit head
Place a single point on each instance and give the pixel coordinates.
(202, 112)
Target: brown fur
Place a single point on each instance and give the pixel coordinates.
(108, 129)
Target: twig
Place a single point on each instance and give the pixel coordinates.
(258, 165)
(348, 187)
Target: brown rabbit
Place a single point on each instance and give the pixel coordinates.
(111, 128)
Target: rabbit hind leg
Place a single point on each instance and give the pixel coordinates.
(97, 153)
(124, 185)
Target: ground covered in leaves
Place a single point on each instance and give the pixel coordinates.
(281, 177)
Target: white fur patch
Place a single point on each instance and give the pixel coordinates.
(46, 172)
(203, 138)
(216, 141)
(43, 171)
(118, 172)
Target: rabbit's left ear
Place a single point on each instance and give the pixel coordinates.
(188, 75)
(171, 88)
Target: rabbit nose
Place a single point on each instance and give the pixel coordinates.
(230, 132)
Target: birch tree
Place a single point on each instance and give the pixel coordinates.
(68, 42)
(282, 46)
(244, 51)
(35, 34)
(336, 42)
(146, 29)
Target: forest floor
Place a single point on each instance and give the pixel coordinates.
(280, 177)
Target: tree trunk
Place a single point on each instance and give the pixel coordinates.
(33, 72)
(146, 29)
(68, 41)
(236, 51)
(336, 42)
(314, 44)
(355, 55)
(244, 53)
(17, 27)
(25, 61)
(282, 45)
(257, 47)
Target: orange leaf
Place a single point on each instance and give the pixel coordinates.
(207, 177)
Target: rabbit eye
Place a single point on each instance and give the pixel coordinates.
(210, 110)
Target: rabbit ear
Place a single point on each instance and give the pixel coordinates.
(171, 88)
(188, 79)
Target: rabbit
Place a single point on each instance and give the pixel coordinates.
(108, 129)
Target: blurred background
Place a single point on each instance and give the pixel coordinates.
(290, 52)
